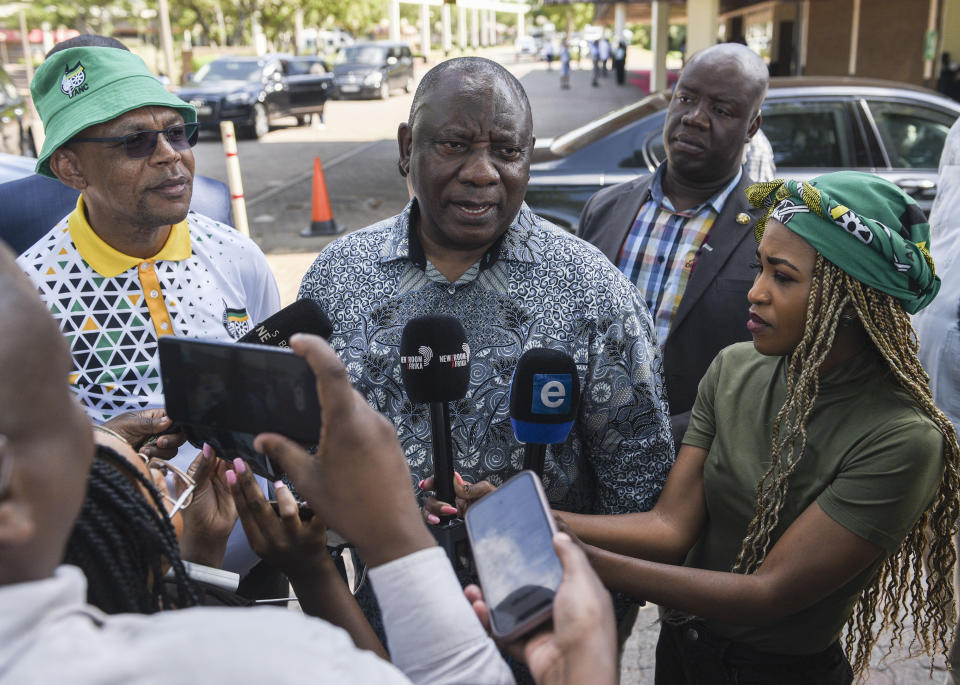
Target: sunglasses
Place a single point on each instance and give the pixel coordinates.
(140, 144)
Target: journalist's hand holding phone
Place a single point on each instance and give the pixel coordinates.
(281, 537)
(211, 516)
(358, 481)
(580, 644)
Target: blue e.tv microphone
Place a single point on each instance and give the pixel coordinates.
(544, 398)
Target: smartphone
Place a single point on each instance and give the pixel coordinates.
(511, 534)
(225, 393)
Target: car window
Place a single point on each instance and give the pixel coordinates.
(809, 134)
(912, 134)
(227, 70)
(362, 54)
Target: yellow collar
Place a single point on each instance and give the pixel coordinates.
(108, 261)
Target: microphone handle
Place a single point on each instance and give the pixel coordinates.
(533, 458)
(442, 454)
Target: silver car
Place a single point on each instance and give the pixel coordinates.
(815, 125)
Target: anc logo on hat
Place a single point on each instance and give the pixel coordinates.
(74, 80)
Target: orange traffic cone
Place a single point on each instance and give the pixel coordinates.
(322, 222)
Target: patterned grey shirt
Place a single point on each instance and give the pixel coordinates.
(538, 286)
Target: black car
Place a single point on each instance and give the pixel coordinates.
(251, 91)
(373, 69)
(16, 137)
(815, 126)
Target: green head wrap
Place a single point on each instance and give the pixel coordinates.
(865, 225)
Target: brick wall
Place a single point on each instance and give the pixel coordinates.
(890, 44)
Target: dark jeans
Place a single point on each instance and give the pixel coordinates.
(688, 655)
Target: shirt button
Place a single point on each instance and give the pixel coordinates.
(154, 293)
(660, 259)
(164, 325)
(145, 266)
(692, 635)
(452, 289)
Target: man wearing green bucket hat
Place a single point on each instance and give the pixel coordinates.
(132, 263)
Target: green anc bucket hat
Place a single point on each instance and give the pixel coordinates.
(80, 87)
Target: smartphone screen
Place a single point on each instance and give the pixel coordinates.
(511, 534)
(227, 393)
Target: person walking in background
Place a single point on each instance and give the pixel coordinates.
(604, 48)
(620, 62)
(548, 54)
(595, 58)
(565, 66)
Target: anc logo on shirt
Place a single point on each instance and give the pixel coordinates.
(236, 321)
(74, 80)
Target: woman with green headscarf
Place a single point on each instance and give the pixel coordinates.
(815, 463)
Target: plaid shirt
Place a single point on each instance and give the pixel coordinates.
(661, 250)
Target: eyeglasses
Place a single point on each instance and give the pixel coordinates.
(141, 144)
(183, 484)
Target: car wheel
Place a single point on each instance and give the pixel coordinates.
(408, 86)
(385, 89)
(303, 120)
(261, 122)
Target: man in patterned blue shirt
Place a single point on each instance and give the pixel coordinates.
(467, 246)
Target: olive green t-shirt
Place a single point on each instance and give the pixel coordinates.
(873, 462)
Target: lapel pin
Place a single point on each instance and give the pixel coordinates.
(743, 218)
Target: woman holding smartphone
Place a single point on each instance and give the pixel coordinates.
(818, 480)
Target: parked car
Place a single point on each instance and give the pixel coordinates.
(252, 91)
(373, 70)
(16, 137)
(526, 45)
(815, 125)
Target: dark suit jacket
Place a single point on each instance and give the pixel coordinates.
(34, 204)
(713, 311)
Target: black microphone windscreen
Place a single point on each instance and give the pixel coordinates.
(303, 316)
(435, 359)
(544, 396)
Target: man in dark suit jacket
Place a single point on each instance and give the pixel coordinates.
(684, 234)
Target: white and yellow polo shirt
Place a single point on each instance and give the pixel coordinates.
(208, 281)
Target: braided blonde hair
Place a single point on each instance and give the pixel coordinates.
(899, 580)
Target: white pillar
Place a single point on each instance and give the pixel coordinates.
(521, 27)
(701, 24)
(425, 30)
(619, 21)
(474, 27)
(484, 35)
(854, 38)
(461, 27)
(259, 39)
(446, 37)
(166, 38)
(395, 20)
(298, 31)
(493, 27)
(660, 22)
